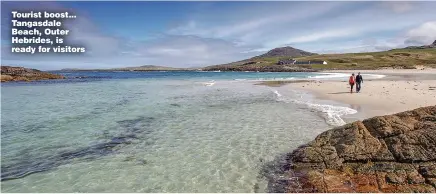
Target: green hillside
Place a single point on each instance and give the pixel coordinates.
(407, 58)
(397, 58)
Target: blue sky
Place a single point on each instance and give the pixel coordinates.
(187, 34)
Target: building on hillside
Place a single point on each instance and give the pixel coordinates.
(295, 62)
(287, 62)
(310, 62)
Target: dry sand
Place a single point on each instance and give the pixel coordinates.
(399, 91)
(388, 71)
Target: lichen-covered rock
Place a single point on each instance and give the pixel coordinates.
(9, 73)
(394, 153)
(6, 78)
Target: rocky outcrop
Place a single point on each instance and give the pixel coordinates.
(394, 153)
(9, 73)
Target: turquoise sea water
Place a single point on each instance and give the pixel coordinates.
(154, 131)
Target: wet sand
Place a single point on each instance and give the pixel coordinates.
(399, 91)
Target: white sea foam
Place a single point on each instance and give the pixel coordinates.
(210, 83)
(329, 75)
(275, 78)
(373, 76)
(277, 93)
(332, 114)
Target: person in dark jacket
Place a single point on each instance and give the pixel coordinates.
(359, 80)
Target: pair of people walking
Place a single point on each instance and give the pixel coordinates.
(358, 80)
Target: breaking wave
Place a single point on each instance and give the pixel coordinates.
(331, 114)
(210, 83)
(329, 75)
(276, 78)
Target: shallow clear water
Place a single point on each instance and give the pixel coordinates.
(145, 132)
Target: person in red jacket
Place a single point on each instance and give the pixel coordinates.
(351, 81)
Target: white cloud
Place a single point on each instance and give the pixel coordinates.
(321, 35)
(399, 6)
(369, 41)
(194, 50)
(296, 26)
(251, 25)
(422, 35)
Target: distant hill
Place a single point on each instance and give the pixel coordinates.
(140, 68)
(285, 52)
(266, 62)
(147, 68)
(405, 58)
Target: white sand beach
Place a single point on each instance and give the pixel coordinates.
(400, 90)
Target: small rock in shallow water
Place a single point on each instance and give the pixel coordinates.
(256, 188)
(142, 161)
(129, 158)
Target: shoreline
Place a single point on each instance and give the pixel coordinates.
(398, 91)
(364, 155)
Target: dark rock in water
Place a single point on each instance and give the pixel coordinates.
(256, 188)
(137, 125)
(9, 73)
(174, 104)
(142, 161)
(129, 158)
(134, 159)
(393, 153)
(26, 166)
